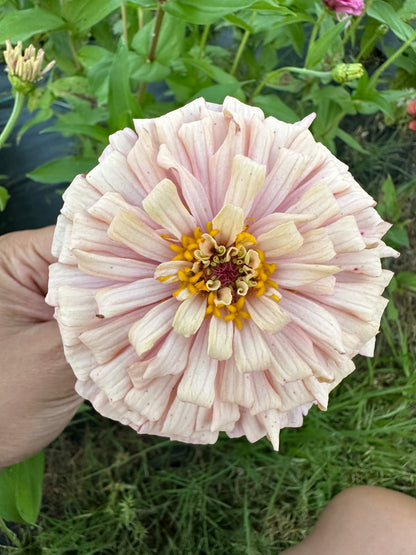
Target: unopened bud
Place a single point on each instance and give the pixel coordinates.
(344, 73)
(25, 69)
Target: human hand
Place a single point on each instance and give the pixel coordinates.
(37, 396)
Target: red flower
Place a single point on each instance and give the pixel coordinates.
(411, 109)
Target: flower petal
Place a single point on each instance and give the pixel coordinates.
(129, 230)
(247, 179)
(279, 241)
(220, 339)
(154, 325)
(165, 207)
(229, 221)
(267, 314)
(113, 267)
(251, 352)
(190, 315)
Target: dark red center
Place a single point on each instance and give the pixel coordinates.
(226, 273)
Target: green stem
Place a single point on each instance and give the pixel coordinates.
(356, 21)
(9, 533)
(124, 20)
(19, 102)
(153, 45)
(315, 30)
(336, 121)
(302, 70)
(203, 42)
(390, 60)
(242, 45)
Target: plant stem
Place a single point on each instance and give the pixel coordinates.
(390, 60)
(124, 20)
(352, 28)
(203, 42)
(315, 30)
(303, 70)
(9, 533)
(19, 102)
(242, 45)
(153, 46)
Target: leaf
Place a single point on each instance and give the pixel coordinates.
(217, 93)
(406, 280)
(350, 141)
(84, 15)
(272, 105)
(385, 13)
(23, 24)
(21, 490)
(62, 170)
(4, 197)
(121, 102)
(320, 48)
(392, 210)
(204, 13)
(397, 237)
(170, 44)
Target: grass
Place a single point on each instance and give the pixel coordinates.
(108, 491)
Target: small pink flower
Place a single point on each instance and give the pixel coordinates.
(353, 7)
(411, 110)
(217, 271)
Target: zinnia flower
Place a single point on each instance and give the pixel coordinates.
(353, 7)
(216, 271)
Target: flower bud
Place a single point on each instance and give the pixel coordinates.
(25, 69)
(344, 73)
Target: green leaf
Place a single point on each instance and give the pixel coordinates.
(170, 44)
(21, 490)
(204, 13)
(392, 210)
(4, 197)
(385, 13)
(84, 15)
(320, 48)
(217, 93)
(23, 24)
(350, 141)
(62, 170)
(91, 55)
(406, 281)
(397, 237)
(121, 102)
(272, 105)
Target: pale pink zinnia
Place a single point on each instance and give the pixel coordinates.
(216, 271)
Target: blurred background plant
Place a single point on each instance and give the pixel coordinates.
(106, 490)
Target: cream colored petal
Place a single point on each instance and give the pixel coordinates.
(316, 248)
(190, 315)
(279, 241)
(345, 235)
(113, 267)
(154, 325)
(272, 422)
(247, 179)
(235, 386)
(313, 318)
(251, 353)
(319, 201)
(265, 396)
(294, 275)
(224, 416)
(78, 197)
(63, 274)
(165, 207)
(116, 300)
(288, 362)
(220, 339)
(266, 313)
(143, 161)
(198, 383)
(150, 398)
(129, 230)
(107, 207)
(171, 357)
(170, 270)
(110, 335)
(230, 222)
(112, 377)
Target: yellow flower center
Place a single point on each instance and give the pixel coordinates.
(226, 274)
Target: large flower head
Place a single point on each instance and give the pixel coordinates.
(216, 271)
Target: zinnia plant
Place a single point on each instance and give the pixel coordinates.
(217, 271)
